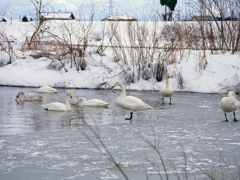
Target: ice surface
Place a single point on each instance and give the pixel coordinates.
(39, 144)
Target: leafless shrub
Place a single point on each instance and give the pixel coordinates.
(6, 49)
(155, 145)
(57, 65)
(144, 58)
(39, 6)
(94, 137)
(159, 71)
(97, 36)
(231, 85)
(180, 79)
(226, 34)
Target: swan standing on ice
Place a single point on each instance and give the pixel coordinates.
(130, 103)
(91, 102)
(167, 90)
(28, 97)
(230, 104)
(57, 106)
(47, 89)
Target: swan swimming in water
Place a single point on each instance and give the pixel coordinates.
(47, 89)
(167, 90)
(57, 106)
(91, 102)
(130, 103)
(230, 104)
(28, 97)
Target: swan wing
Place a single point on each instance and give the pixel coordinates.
(237, 103)
(47, 89)
(228, 104)
(55, 106)
(132, 103)
(33, 97)
(95, 102)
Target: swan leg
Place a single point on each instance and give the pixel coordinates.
(130, 117)
(235, 120)
(163, 100)
(170, 101)
(226, 117)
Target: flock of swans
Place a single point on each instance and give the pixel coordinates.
(131, 103)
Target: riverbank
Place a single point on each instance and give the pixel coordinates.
(98, 68)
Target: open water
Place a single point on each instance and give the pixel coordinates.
(186, 140)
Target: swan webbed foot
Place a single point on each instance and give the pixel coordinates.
(129, 119)
(235, 120)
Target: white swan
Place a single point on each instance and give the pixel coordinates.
(167, 90)
(28, 97)
(91, 102)
(47, 89)
(130, 103)
(57, 106)
(230, 104)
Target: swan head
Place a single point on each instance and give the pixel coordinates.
(20, 94)
(117, 84)
(69, 94)
(232, 93)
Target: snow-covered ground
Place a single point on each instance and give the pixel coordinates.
(221, 72)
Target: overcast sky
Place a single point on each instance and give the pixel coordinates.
(132, 7)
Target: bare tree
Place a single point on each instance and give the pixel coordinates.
(39, 6)
(4, 10)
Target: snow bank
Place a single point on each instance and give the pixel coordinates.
(221, 71)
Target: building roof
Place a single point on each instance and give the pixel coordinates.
(119, 18)
(202, 18)
(3, 19)
(56, 16)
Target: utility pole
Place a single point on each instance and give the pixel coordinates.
(11, 16)
(110, 6)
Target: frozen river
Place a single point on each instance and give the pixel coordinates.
(186, 140)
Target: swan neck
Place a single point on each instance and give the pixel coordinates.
(232, 94)
(167, 82)
(67, 102)
(81, 99)
(123, 94)
(22, 97)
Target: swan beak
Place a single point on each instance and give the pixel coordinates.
(70, 95)
(113, 86)
(167, 75)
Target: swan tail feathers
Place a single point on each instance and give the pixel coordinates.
(237, 104)
(45, 107)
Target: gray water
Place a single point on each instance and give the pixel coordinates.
(191, 137)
